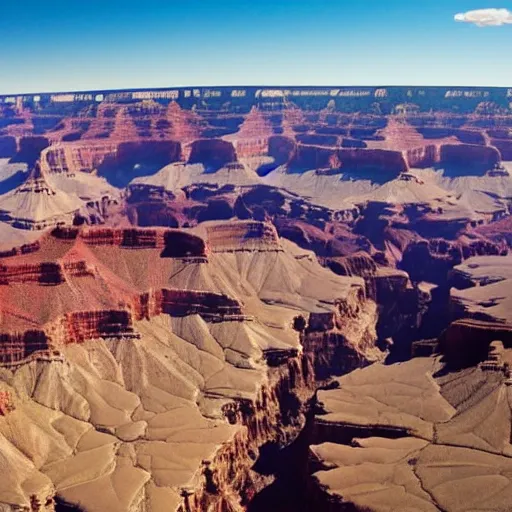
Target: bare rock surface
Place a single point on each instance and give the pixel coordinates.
(420, 439)
(130, 364)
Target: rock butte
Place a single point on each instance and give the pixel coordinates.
(194, 279)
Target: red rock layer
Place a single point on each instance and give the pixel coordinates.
(212, 153)
(174, 243)
(252, 139)
(6, 403)
(91, 300)
(243, 236)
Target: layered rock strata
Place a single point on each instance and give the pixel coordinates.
(156, 383)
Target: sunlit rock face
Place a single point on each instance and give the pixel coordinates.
(123, 328)
(193, 279)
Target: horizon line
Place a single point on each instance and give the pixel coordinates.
(183, 87)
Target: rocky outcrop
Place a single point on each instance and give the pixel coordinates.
(329, 160)
(15, 348)
(344, 339)
(243, 236)
(309, 157)
(389, 162)
(173, 243)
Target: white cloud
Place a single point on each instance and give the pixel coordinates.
(486, 17)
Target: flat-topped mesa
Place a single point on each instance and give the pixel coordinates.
(308, 157)
(252, 139)
(170, 243)
(93, 155)
(243, 236)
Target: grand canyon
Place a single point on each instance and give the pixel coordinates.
(256, 299)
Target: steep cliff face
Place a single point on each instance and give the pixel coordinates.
(78, 158)
(281, 149)
(346, 338)
(470, 155)
(424, 156)
(212, 153)
(8, 147)
(230, 475)
(156, 153)
(466, 342)
(433, 259)
(401, 306)
(313, 157)
(16, 348)
(504, 146)
(391, 163)
(30, 149)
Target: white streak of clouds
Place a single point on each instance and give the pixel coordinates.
(486, 17)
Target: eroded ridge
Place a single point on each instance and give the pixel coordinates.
(143, 369)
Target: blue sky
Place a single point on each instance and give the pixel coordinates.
(80, 45)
